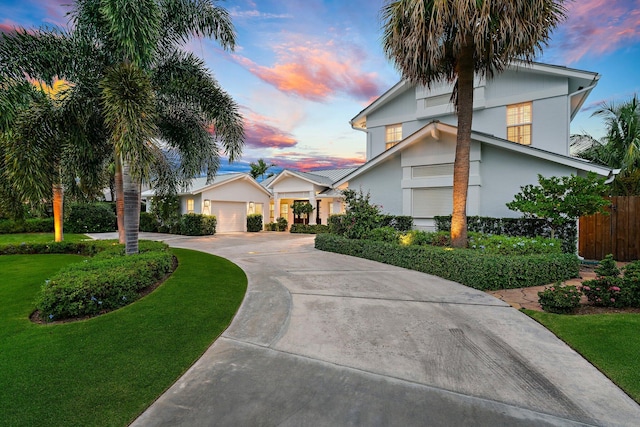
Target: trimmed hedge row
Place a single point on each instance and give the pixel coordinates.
(87, 248)
(187, 225)
(469, 267)
(309, 228)
(105, 282)
(33, 225)
(525, 227)
(90, 218)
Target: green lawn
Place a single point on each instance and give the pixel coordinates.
(6, 239)
(106, 370)
(609, 341)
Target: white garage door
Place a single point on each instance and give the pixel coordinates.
(232, 216)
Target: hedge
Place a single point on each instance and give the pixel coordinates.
(87, 248)
(469, 267)
(525, 227)
(32, 225)
(197, 225)
(309, 228)
(90, 218)
(254, 223)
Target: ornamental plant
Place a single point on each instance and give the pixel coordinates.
(361, 216)
(560, 299)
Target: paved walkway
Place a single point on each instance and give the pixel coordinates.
(329, 340)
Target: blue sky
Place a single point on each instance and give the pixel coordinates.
(303, 68)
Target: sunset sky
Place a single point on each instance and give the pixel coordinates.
(303, 68)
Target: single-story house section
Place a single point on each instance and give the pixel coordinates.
(230, 197)
(315, 187)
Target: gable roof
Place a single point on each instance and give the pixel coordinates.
(433, 130)
(199, 185)
(583, 83)
(323, 178)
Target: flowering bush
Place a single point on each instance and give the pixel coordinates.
(559, 299)
(605, 292)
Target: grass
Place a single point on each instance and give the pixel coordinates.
(609, 341)
(7, 239)
(106, 370)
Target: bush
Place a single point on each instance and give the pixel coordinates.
(336, 224)
(87, 248)
(106, 282)
(32, 225)
(472, 268)
(167, 211)
(272, 226)
(506, 245)
(309, 228)
(281, 224)
(254, 222)
(149, 222)
(560, 299)
(384, 234)
(516, 227)
(90, 218)
(611, 290)
(197, 225)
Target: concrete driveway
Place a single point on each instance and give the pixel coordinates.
(323, 339)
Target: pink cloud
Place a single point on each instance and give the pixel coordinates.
(260, 134)
(599, 26)
(308, 163)
(317, 71)
(8, 26)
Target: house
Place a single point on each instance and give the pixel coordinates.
(521, 128)
(315, 187)
(230, 197)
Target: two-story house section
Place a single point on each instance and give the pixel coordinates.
(521, 128)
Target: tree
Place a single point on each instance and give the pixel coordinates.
(620, 147)
(260, 169)
(453, 40)
(560, 200)
(159, 109)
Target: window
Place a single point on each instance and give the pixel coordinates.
(207, 207)
(393, 135)
(284, 210)
(190, 206)
(519, 123)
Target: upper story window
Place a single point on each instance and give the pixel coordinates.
(519, 123)
(393, 135)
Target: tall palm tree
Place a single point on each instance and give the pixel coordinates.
(260, 169)
(146, 98)
(454, 40)
(620, 147)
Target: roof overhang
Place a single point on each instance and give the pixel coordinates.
(286, 173)
(240, 177)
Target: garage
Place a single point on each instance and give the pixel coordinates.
(231, 216)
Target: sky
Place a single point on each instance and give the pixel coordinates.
(303, 68)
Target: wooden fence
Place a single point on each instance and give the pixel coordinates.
(617, 233)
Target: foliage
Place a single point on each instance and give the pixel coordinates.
(32, 225)
(149, 222)
(309, 228)
(134, 354)
(523, 227)
(472, 268)
(383, 234)
(20, 238)
(505, 245)
(167, 212)
(260, 169)
(281, 224)
(272, 226)
(90, 218)
(420, 238)
(361, 216)
(609, 289)
(254, 223)
(560, 299)
(197, 225)
(620, 147)
(84, 247)
(302, 207)
(398, 222)
(337, 224)
(560, 200)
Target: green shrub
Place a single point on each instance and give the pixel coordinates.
(402, 222)
(384, 234)
(506, 245)
(611, 290)
(197, 225)
(309, 228)
(607, 267)
(89, 248)
(472, 268)
(31, 225)
(336, 224)
(516, 227)
(254, 222)
(361, 216)
(149, 222)
(419, 237)
(281, 224)
(90, 218)
(167, 211)
(102, 283)
(272, 226)
(560, 299)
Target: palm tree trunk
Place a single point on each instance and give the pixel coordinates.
(58, 200)
(131, 210)
(119, 199)
(465, 74)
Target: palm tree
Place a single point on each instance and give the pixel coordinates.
(260, 169)
(453, 40)
(148, 100)
(620, 147)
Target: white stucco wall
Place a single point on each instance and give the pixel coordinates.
(384, 185)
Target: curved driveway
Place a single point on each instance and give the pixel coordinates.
(323, 339)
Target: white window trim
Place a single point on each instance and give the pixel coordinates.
(522, 124)
(392, 135)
